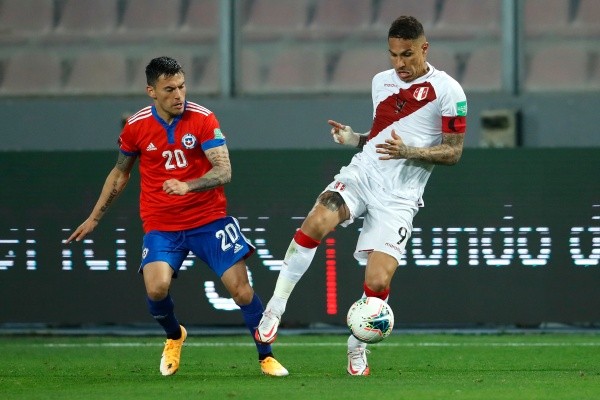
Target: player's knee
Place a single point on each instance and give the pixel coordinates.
(157, 292)
(242, 295)
(377, 284)
(329, 211)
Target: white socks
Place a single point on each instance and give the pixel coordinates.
(297, 260)
(354, 343)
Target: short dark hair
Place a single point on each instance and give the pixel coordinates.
(406, 27)
(160, 66)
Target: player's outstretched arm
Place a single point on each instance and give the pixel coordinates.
(343, 134)
(113, 186)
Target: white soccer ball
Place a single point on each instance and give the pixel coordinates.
(370, 319)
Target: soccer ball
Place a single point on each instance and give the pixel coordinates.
(370, 319)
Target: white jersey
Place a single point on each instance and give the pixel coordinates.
(419, 112)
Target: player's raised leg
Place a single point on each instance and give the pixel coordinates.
(329, 210)
(298, 257)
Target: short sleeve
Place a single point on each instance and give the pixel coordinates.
(127, 144)
(454, 108)
(211, 133)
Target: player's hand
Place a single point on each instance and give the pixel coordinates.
(83, 230)
(393, 148)
(174, 186)
(343, 134)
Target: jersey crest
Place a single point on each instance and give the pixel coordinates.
(421, 93)
(401, 104)
(189, 141)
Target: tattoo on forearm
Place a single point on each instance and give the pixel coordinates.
(219, 175)
(447, 153)
(113, 194)
(206, 183)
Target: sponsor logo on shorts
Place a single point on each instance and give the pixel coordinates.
(144, 252)
(393, 246)
(237, 248)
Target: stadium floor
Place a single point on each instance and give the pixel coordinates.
(152, 330)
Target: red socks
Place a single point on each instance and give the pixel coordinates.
(304, 240)
(383, 295)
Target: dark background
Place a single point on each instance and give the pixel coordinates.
(485, 204)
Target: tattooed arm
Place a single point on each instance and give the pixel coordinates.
(446, 153)
(218, 175)
(113, 186)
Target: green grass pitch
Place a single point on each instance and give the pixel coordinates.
(404, 366)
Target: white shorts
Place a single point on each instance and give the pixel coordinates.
(388, 219)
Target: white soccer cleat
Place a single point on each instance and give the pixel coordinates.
(266, 332)
(357, 362)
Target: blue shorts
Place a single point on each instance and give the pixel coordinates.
(220, 244)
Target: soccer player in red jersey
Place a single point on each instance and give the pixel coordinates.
(419, 121)
(183, 164)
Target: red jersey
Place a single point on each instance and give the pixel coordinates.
(174, 151)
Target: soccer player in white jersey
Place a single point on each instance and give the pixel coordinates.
(419, 120)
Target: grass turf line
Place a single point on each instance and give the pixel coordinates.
(531, 366)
